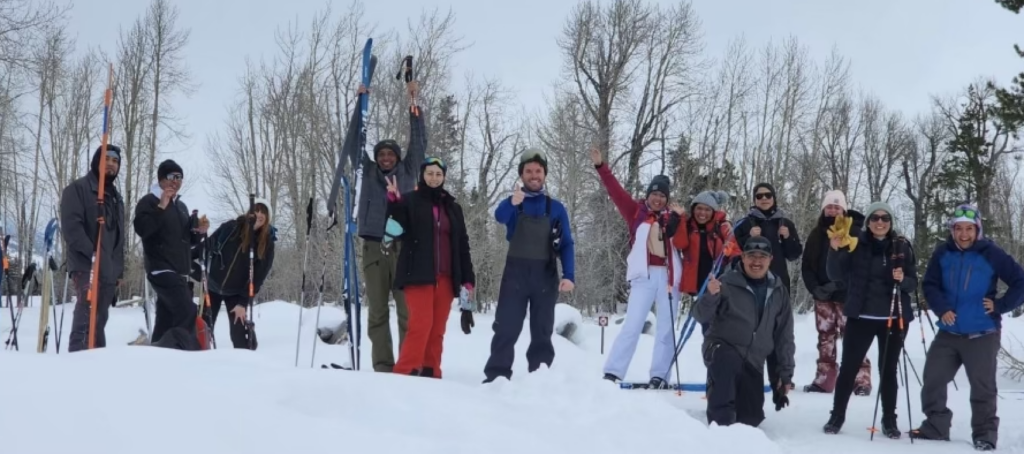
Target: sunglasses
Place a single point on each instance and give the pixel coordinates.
(175, 176)
(433, 161)
(882, 218)
(966, 213)
(763, 196)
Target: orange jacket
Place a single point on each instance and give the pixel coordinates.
(687, 240)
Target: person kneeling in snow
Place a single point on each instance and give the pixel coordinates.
(433, 266)
(653, 270)
(750, 317)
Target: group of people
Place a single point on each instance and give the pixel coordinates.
(861, 278)
(416, 250)
(178, 254)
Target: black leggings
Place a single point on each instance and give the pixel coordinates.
(860, 334)
(239, 338)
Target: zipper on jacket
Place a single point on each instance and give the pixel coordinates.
(437, 245)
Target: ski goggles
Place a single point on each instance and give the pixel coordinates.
(757, 248)
(532, 155)
(966, 213)
(435, 161)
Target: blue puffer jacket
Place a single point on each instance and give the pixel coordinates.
(959, 280)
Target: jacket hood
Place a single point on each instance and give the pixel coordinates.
(94, 165)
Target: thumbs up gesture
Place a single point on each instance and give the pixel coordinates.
(517, 194)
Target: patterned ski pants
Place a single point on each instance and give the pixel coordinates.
(831, 326)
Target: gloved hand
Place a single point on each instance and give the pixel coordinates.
(841, 229)
(467, 321)
(825, 292)
(779, 397)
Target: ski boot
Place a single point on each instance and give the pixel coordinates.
(834, 424)
(982, 445)
(918, 434)
(890, 429)
(813, 388)
(658, 383)
(612, 378)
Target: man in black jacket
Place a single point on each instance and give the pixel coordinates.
(829, 296)
(750, 317)
(78, 214)
(162, 222)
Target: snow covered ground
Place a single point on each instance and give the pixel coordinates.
(132, 399)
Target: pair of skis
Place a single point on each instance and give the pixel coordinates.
(47, 292)
(355, 137)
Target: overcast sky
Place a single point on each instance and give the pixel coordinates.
(902, 50)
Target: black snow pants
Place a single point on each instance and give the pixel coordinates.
(735, 387)
(174, 309)
(239, 332)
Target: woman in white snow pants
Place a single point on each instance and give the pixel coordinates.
(652, 259)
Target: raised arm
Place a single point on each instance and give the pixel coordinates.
(624, 202)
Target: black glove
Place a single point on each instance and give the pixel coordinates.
(825, 292)
(779, 397)
(467, 321)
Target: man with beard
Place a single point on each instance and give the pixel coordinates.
(538, 231)
(380, 257)
(78, 215)
(829, 297)
(750, 318)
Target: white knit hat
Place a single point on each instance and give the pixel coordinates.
(834, 197)
(266, 203)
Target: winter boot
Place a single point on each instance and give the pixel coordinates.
(612, 378)
(890, 428)
(835, 422)
(427, 372)
(658, 383)
(862, 391)
(982, 445)
(919, 434)
(813, 388)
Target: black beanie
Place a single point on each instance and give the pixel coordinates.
(767, 186)
(390, 145)
(660, 183)
(168, 167)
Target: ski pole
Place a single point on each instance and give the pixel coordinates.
(885, 354)
(302, 288)
(94, 274)
(906, 374)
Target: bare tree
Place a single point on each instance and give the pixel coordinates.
(169, 75)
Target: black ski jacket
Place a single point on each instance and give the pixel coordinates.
(417, 262)
(228, 272)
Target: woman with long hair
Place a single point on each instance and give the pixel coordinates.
(877, 267)
(434, 264)
(228, 271)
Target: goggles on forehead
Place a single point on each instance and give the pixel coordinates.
(757, 248)
(966, 213)
(435, 161)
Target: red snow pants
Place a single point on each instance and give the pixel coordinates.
(429, 307)
(831, 324)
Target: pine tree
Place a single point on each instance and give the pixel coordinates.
(446, 141)
(1011, 100)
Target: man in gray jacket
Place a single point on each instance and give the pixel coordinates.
(751, 318)
(78, 215)
(380, 255)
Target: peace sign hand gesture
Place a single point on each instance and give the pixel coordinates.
(392, 182)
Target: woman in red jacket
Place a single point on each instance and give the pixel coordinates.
(702, 236)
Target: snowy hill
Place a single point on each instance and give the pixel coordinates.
(132, 399)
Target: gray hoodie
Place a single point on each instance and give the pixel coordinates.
(373, 203)
(733, 315)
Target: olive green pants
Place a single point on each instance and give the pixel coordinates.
(379, 268)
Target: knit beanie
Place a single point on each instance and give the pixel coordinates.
(533, 155)
(389, 145)
(166, 168)
(266, 204)
(834, 197)
(966, 213)
(705, 198)
(660, 183)
(880, 206)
